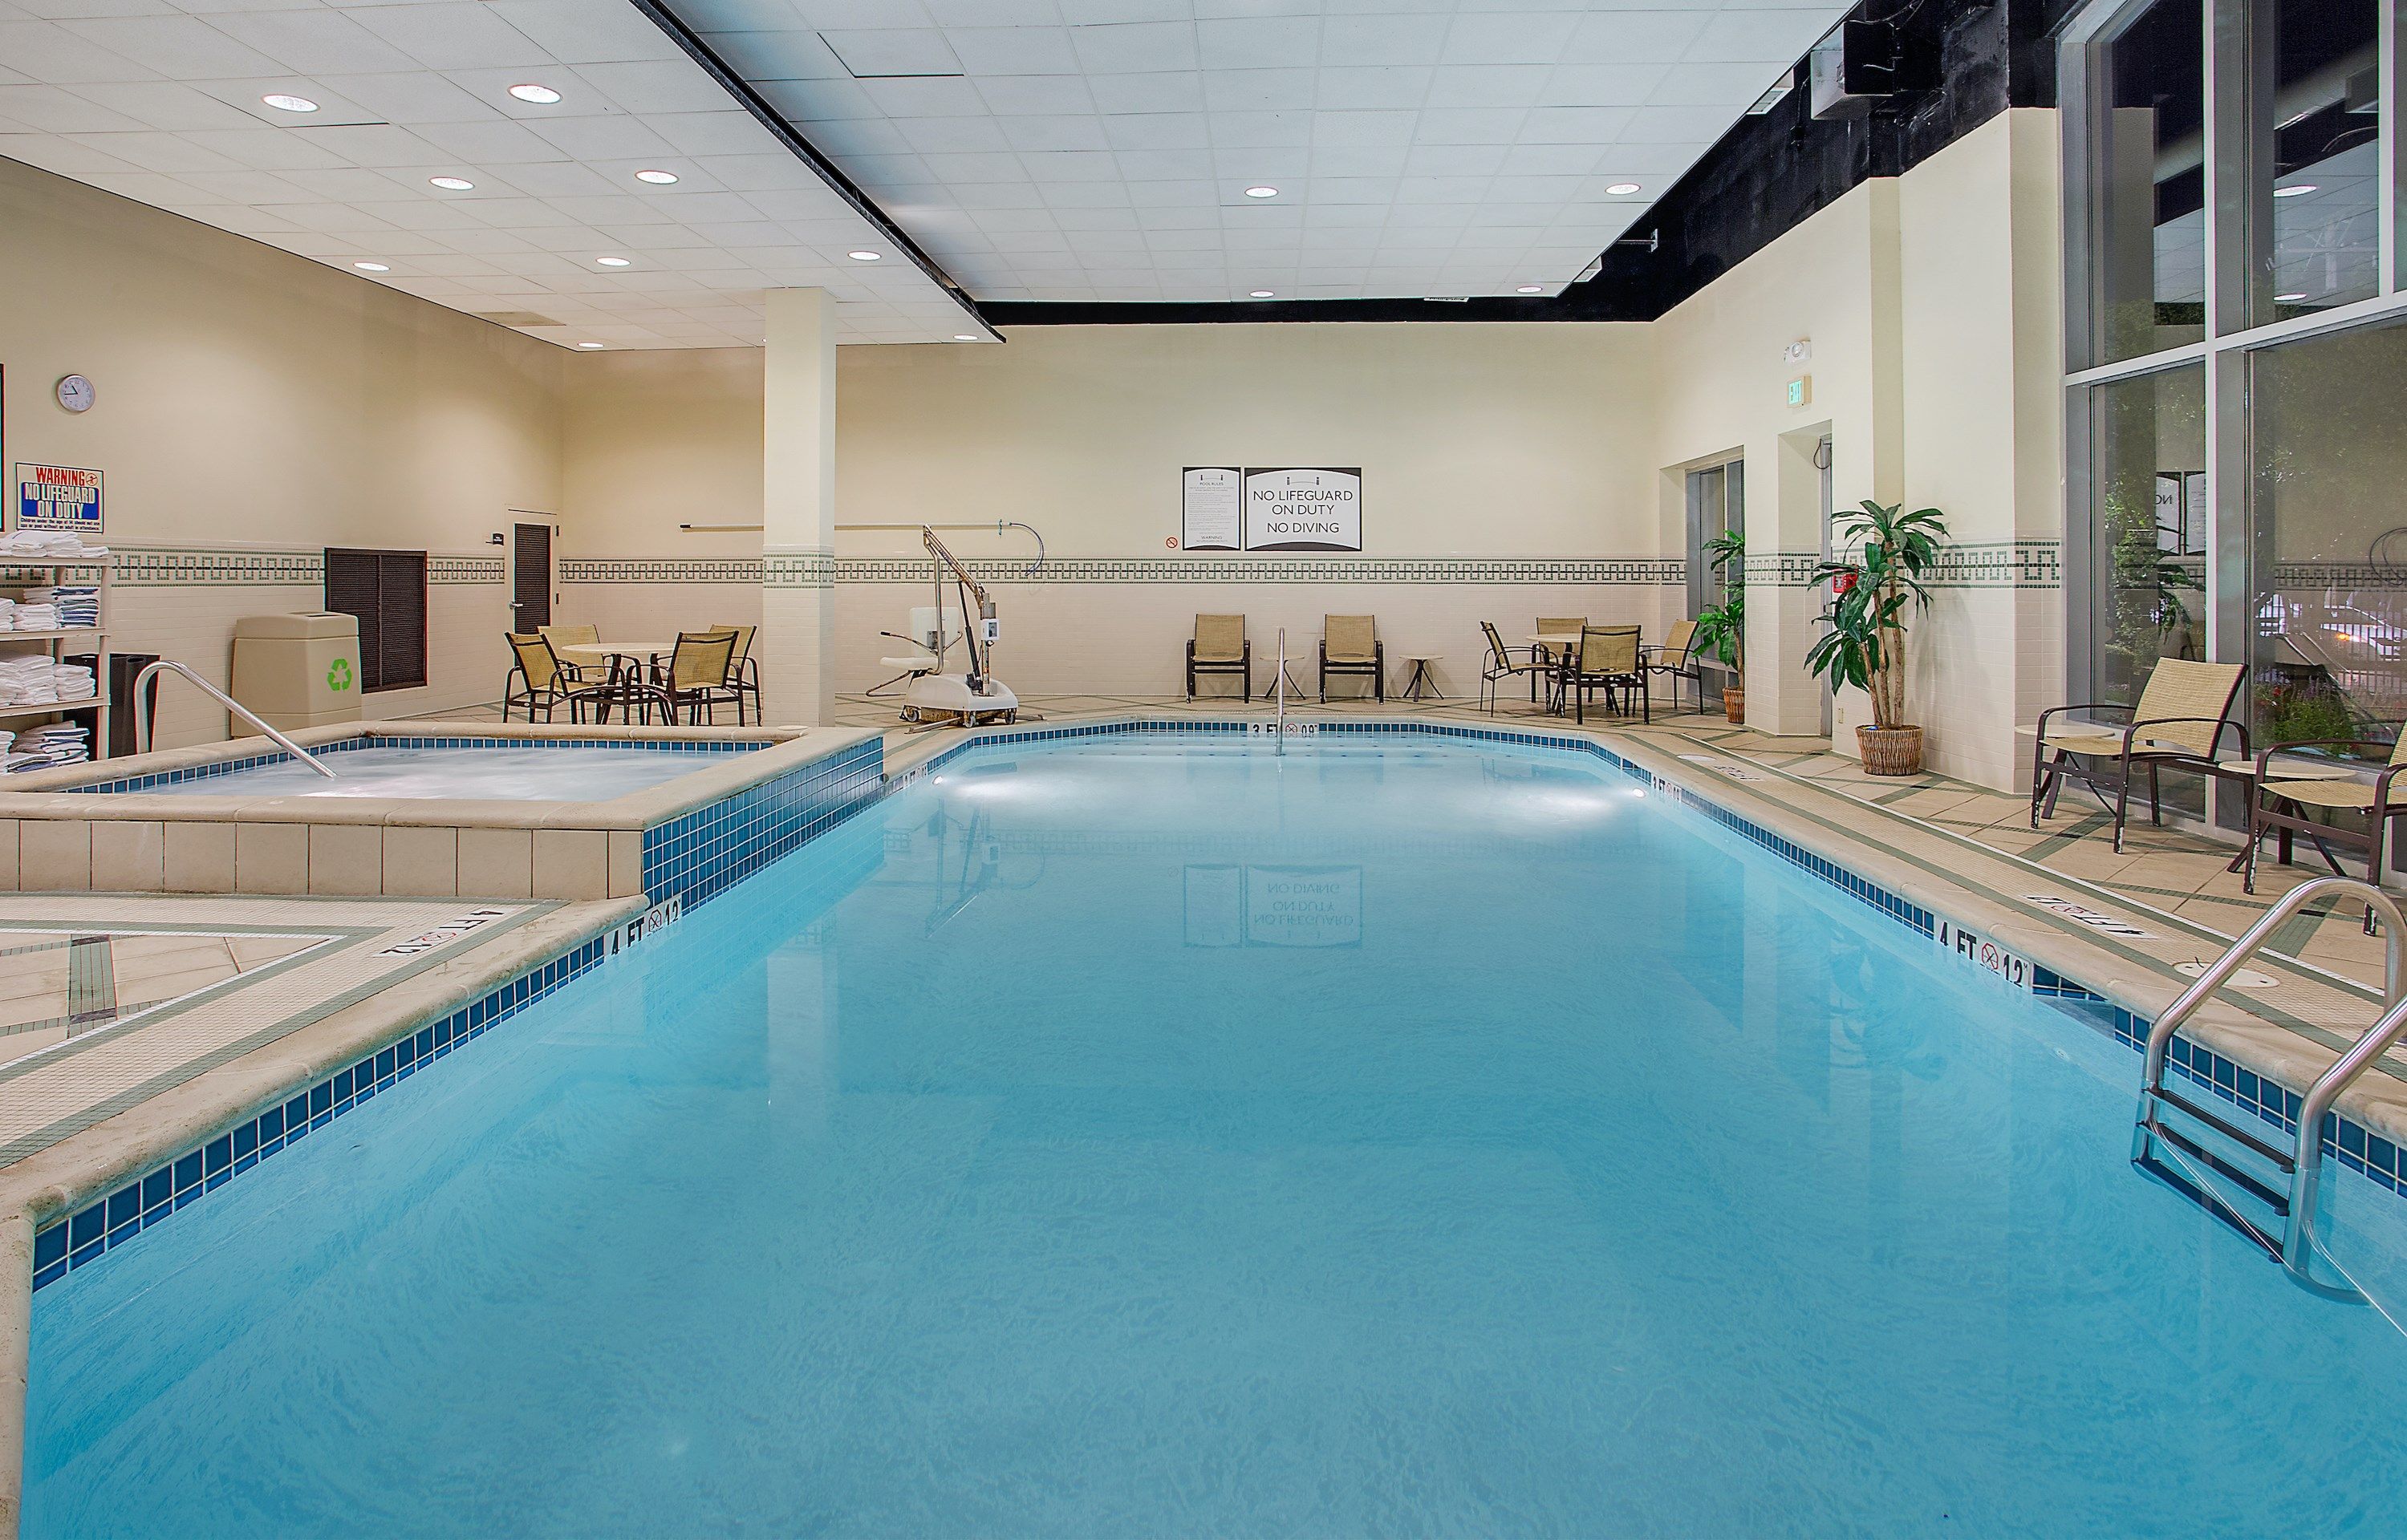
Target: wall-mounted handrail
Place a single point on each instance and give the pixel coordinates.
(148, 679)
(2305, 1162)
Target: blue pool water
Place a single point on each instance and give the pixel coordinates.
(1164, 1139)
(580, 774)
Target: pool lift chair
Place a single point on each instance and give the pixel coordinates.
(972, 698)
(2238, 1167)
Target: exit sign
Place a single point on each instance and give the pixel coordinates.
(1800, 391)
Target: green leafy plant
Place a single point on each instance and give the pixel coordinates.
(2306, 713)
(1721, 628)
(1890, 550)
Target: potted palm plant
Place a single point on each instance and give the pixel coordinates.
(1721, 628)
(1889, 552)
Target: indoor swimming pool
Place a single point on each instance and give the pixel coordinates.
(1158, 1135)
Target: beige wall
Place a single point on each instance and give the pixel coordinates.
(1932, 303)
(252, 401)
(250, 397)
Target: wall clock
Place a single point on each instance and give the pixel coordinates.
(76, 393)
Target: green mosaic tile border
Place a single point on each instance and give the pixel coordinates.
(1973, 564)
(818, 571)
(139, 568)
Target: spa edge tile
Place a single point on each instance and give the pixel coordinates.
(54, 853)
(271, 857)
(128, 856)
(496, 863)
(421, 863)
(346, 858)
(199, 858)
(572, 862)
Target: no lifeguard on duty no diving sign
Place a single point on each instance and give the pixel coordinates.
(58, 497)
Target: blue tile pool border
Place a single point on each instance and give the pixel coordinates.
(216, 768)
(102, 1225)
(700, 853)
(2355, 1146)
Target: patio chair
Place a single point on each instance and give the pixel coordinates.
(1608, 660)
(744, 671)
(2286, 793)
(570, 636)
(2178, 724)
(699, 676)
(1219, 647)
(1349, 644)
(1677, 656)
(1502, 664)
(538, 680)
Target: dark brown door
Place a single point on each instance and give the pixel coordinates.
(531, 578)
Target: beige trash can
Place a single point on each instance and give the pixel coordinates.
(298, 670)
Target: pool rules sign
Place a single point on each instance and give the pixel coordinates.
(1303, 508)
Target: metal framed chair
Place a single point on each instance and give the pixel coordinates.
(2178, 722)
(2286, 795)
(539, 681)
(1677, 658)
(570, 636)
(1502, 665)
(698, 676)
(1608, 660)
(744, 674)
(1350, 644)
(1219, 647)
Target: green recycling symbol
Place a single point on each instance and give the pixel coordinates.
(338, 677)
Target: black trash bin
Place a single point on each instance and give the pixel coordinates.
(123, 668)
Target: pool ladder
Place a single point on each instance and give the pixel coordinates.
(2302, 1164)
(148, 680)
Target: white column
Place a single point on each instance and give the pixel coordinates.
(798, 510)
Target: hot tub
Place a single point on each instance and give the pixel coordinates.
(438, 809)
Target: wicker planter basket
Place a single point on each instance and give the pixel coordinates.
(1890, 750)
(1734, 702)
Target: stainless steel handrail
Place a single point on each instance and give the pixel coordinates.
(148, 679)
(1279, 730)
(2306, 1162)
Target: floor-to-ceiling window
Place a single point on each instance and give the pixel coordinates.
(2237, 386)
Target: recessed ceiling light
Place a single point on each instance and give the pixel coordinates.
(589, 345)
(2286, 299)
(1622, 189)
(540, 95)
(611, 261)
(2294, 190)
(451, 184)
(372, 267)
(1262, 192)
(865, 256)
(1533, 289)
(1264, 294)
(657, 179)
(282, 103)
(964, 337)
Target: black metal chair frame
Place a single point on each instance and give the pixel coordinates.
(1500, 666)
(2049, 775)
(1578, 683)
(551, 697)
(1242, 666)
(2286, 826)
(1376, 668)
(706, 696)
(1688, 670)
